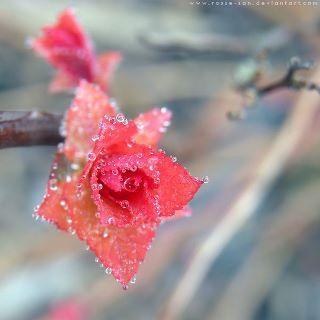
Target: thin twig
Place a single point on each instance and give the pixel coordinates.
(23, 128)
(289, 81)
(243, 208)
(280, 237)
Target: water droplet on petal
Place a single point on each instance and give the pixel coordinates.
(91, 156)
(105, 234)
(120, 117)
(133, 280)
(95, 138)
(108, 271)
(53, 184)
(74, 166)
(205, 179)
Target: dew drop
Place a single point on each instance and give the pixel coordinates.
(163, 110)
(120, 117)
(96, 259)
(105, 234)
(108, 271)
(205, 179)
(133, 280)
(53, 184)
(63, 203)
(124, 204)
(173, 158)
(115, 172)
(91, 156)
(95, 138)
(74, 166)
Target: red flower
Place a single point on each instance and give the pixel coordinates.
(67, 310)
(114, 198)
(68, 49)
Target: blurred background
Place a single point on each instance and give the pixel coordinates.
(251, 248)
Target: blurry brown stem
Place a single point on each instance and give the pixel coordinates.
(244, 206)
(289, 80)
(29, 128)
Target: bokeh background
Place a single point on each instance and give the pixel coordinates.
(190, 58)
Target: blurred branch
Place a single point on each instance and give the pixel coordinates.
(245, 205)
(21, 128)
(282, 234)
(212, 43)
(288, 81)
(207, 43)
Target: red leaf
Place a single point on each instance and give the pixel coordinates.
(112, 132)
(55, 207)
(82, 119)
(68, 310)
(183, 213)
(121, 250)
(152, 125)
(176, 188)
(107, 64)
(124, 187)
(66, 47)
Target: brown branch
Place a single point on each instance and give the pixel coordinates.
(29, 128)
(289, 80)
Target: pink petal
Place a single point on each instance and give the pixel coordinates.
(152, 125)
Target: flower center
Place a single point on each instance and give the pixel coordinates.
(131, 184)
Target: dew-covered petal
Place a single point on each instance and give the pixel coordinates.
(82, 119)
(183, 213)
(123, 186)
(62, 81)
(112, 133)
(107, 64)
(120, 250)
(55, 207)
(67, 48)
(151, 125)
(176, 188)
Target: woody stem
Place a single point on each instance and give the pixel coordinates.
(29, 128)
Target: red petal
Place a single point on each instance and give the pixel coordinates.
(121, 250)
(152, 125)
(110, 177)
(66, 47)
(112, 132)
(55, 207)
(82, 119)
(177, 187)
(183, 213)
(63, 81)
(68, 310)
(107, 64)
